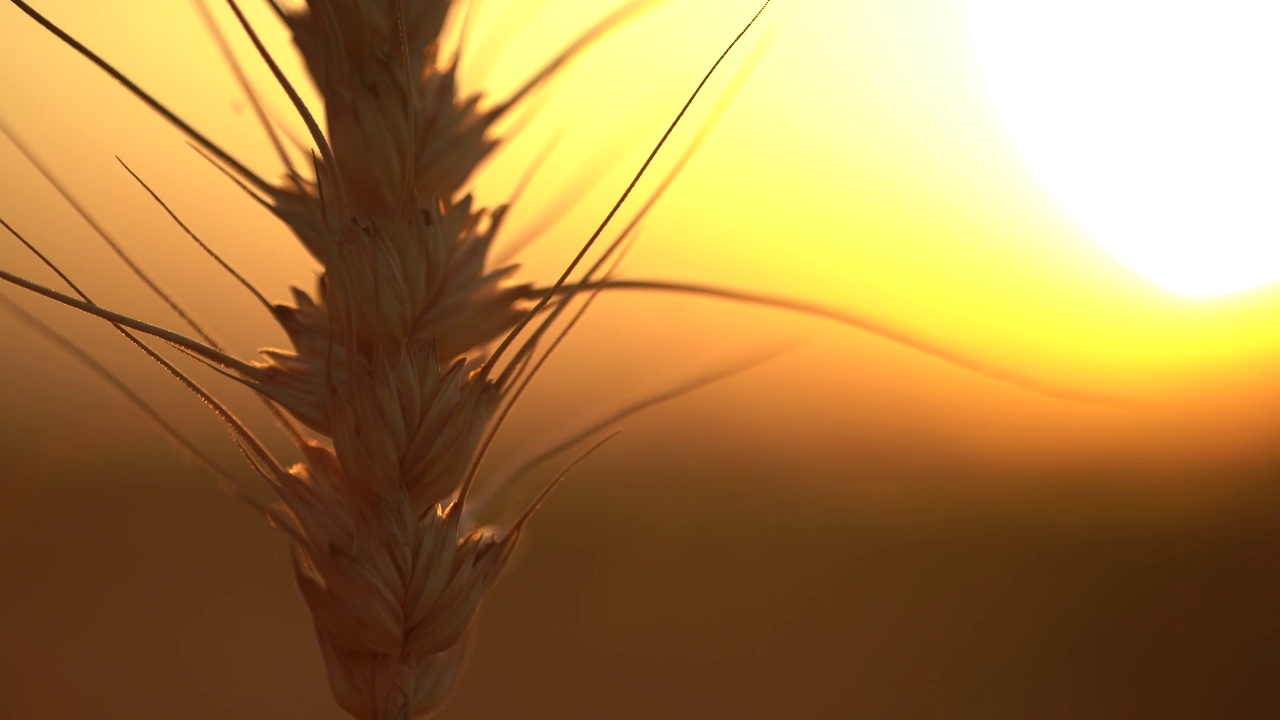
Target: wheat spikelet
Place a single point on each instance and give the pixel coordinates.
(393, 578)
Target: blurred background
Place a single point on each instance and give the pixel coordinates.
(851, 529)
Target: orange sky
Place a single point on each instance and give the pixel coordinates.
(859, 167)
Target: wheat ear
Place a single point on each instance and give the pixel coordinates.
(388, 370)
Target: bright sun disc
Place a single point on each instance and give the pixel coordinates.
(1155, 125)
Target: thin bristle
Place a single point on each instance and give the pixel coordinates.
(592, 34)
(538, 501)
(169, 336)
(317, 135)
(226, 481)
(244, 282)
(622, 198)
(225, 157)
(627, 411)
(224, 48)
(874, 327)
(106, 375)
(256, 452)
(106, 237)
(517, 383)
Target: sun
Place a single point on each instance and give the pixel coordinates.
(1154, 125)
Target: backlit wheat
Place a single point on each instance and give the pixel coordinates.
(409, 351)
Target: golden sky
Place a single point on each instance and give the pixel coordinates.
(860, 166)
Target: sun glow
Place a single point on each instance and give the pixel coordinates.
(1154, 125)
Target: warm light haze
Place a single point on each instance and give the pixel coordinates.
(1084, 193)
(1152, 124)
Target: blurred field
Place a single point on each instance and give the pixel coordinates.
(645, 591)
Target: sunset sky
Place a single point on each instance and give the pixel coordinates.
(861, 166)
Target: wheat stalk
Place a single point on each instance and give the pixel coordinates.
(411, 350)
